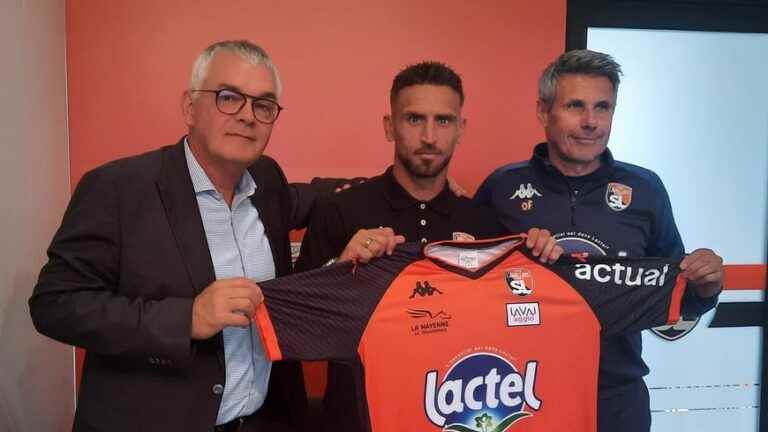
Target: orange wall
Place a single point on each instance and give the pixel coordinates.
(129, 60)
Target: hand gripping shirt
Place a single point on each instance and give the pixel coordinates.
(470, 336)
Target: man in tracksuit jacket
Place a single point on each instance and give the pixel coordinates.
(593, 204)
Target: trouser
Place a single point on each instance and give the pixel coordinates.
(253, 423)
(625, 410)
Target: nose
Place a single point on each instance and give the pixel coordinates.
(245, 114)
(429, 132)
(588, 120)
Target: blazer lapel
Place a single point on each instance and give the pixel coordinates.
(178, 197)
(267, 202)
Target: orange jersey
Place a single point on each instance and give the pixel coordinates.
(470, 336)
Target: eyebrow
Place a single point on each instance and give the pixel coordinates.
(263, 95)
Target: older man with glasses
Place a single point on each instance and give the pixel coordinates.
(152, 270)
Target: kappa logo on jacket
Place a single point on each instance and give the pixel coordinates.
(525, 191)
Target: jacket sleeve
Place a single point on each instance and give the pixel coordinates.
(77, 299)
(325, 237)
(666, 242)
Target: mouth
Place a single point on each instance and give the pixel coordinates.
(246, 137)
(586, 140)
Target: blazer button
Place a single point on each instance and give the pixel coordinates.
(217, 389)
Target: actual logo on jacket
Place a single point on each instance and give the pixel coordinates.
(481, 391)
(618, 196)
(677, 330)
(520, 281)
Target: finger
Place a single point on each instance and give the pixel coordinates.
(239, 292)
(356, 253)
(363, 255)
(541, 242)
(547, 251)
(533, 235)
(557, 252)
(699, 255)
(243, 306)
(700, 265)
(236, 319)
(703, 274)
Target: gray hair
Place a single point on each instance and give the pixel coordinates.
(580, 62)
(249, 51)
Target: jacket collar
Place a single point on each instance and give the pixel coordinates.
(550, 175)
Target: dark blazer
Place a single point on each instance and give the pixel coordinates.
(123, 270)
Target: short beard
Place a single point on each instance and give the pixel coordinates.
(422, 171)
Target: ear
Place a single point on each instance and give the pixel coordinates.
(542, 112)
(389, 127)
(187, 108)
(462, 125)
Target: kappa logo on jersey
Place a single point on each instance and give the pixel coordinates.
(621, 274)
(523, 314)
(618, 196)
(520, 280)
(677, 330)
(481, 392)
(424, 289)
(525, 191)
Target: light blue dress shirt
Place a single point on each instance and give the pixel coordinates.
(239, 248)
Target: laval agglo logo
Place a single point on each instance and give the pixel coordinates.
(481, 392)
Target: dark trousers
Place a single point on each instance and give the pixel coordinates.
(253, 423)
(627, 410)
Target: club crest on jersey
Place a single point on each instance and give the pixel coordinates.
(481, 392)
(618, 196)
(520, 281)
(677, 330)
(525, 191)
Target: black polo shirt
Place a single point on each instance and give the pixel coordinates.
(381, 202)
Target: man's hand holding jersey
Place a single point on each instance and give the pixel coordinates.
(224, 303)
(367, 244)
(703, 269)
(543, 245)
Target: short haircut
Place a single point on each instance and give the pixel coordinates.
(427, 72)
(249, 51)
(577, 62)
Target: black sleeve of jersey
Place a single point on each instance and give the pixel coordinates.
(321, 314)
(626, 294)
(325, 237)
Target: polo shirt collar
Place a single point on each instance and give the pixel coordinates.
(400, 199)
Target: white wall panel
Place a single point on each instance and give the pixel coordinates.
(36, 374)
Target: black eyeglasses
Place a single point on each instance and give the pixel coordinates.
(230, 102)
